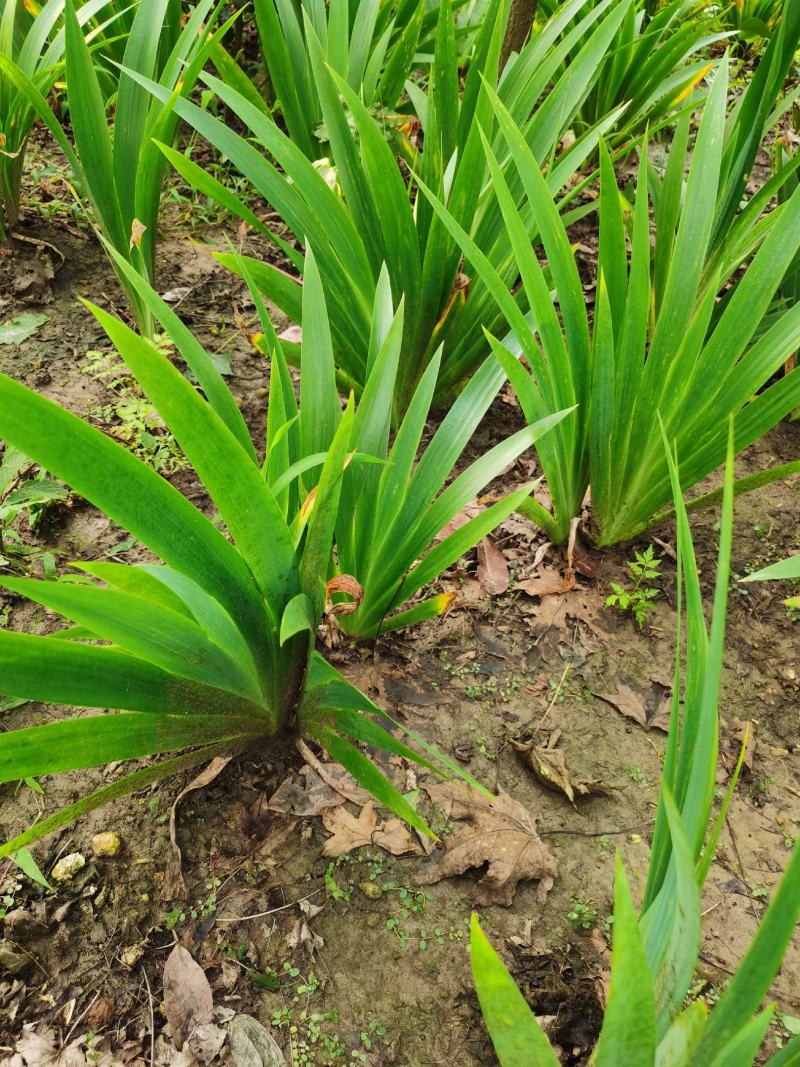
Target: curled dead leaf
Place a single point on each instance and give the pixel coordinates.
(549, 766)
(492, 568)
(137, 232)
(188, 1001)
(343, 583)
(173, 887)
(301, 935)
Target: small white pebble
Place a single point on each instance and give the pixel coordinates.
(68, 867)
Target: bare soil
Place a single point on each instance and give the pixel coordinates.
(260, 914)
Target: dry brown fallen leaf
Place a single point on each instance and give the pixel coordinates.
(627, 702)
(469, 511)
(556, 611)
(304, 794)
(498, 832)
(315, 789)
(351, 832)
(188, 1002)
(40, 1046)
(492, 568)
(660, 721)
(548, 582)
(550, 767)
(735, 733)
(301, 934)
(252, 1045)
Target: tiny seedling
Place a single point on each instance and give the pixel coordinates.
(129, 416)
(22, 491)
(334, 889)
(638, 600)
(583, 915)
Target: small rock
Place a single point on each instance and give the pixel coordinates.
(68, 867)
(371, 890)
(130, 956)
(106, 844)
(252, 1045)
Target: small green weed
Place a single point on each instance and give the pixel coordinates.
(583, 915)
(636, 774)
(203, 909)
(24, 490)
(7, 895)
(130, 417)
(313, 1036)
(638, 600)
(335, 891)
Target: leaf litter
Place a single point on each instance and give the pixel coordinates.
(351, 832)
(497, 832)
(549, 766)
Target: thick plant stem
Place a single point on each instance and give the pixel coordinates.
(558, 532)
(520, 23)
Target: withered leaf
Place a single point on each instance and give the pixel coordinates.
(252, 1045)
(735, 734)
(469, 511)
(137, 232)
(39, 1046)
(304, 794)
(188, 1002)
(626, 701)
(550, 767)
(351, 832)
(556, 611)
(301, 934)
(492, 568)
(548, 582)
(497, 832)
